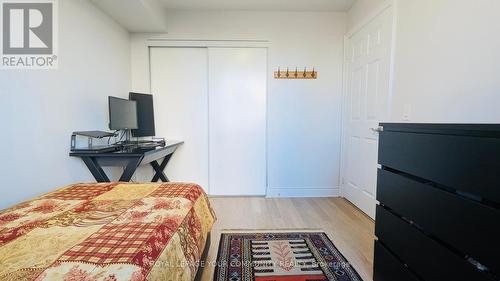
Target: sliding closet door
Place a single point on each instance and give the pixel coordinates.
(237, 121)
(179, 84)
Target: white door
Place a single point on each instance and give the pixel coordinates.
(368, 65)
(179, 78)
(237, 117)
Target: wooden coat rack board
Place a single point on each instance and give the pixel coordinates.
(297, 74)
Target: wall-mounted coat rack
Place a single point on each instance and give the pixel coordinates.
(296, 74)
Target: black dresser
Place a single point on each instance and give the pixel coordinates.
(439, 193)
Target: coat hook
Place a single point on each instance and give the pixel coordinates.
(313, 73)
(296, 72)
(305, 72)
(287, 72)
(279, 72)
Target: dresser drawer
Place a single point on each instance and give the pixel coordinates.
(466, 163)
(467, 226)
(427, 258)
(389, 268)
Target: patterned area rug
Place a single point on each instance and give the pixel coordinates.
(290, 256)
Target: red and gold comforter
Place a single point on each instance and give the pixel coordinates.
(106, 231)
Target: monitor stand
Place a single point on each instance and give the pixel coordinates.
(128, 142)
(128, 136)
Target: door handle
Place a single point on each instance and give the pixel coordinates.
(379, 129)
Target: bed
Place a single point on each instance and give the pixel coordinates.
(107, 231)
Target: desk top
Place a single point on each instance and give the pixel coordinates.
(131, 151)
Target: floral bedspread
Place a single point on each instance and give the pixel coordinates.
(106, 231)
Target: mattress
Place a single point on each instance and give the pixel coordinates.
(107, 231)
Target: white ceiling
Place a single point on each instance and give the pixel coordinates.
(136, 15)
(261, 5)
(151, 15)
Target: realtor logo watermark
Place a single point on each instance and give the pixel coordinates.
(29, 34)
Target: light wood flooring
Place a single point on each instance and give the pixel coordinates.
(349, 229)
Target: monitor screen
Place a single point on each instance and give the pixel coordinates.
(122, 114)
(145, 115)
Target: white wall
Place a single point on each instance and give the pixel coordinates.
(447, 60)
(360, 10)
(39, 109)
(303, 116)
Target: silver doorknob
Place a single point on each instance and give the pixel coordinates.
(378, 129)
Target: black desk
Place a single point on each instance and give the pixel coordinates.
(131, 159)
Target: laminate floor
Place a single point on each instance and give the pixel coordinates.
(349, 229)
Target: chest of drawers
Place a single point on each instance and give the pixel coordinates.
(439, 193)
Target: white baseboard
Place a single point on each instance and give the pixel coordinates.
(303, 192)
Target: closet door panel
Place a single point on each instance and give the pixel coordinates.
(179, 78)
(237, 120)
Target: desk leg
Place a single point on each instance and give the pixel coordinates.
(95, 169)
(159, 168)
(130, 169)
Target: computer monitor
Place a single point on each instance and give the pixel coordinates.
(122, 114)
(145, 115)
